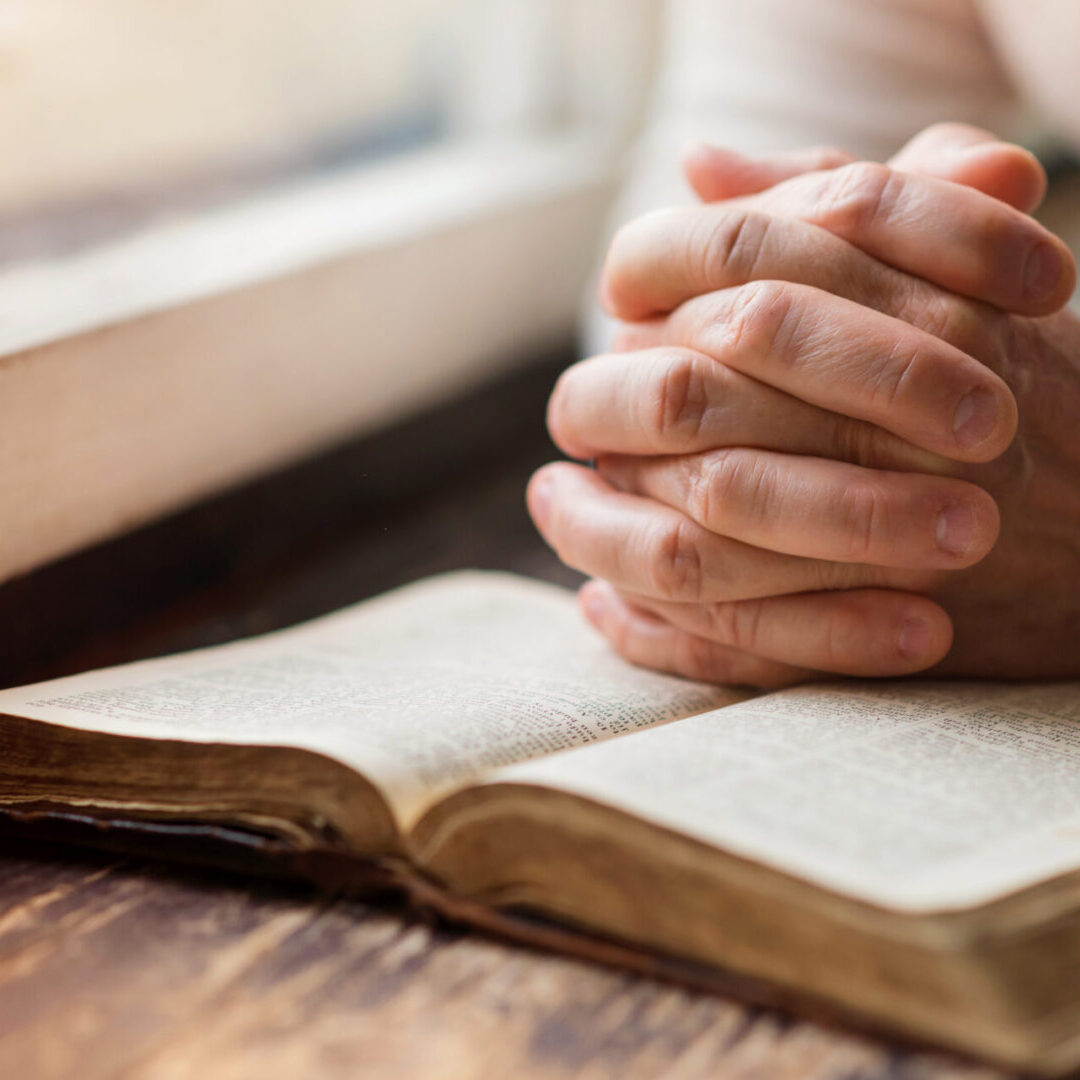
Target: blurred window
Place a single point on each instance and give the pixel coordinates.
(506, 68)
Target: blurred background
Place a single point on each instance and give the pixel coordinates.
(161, 154)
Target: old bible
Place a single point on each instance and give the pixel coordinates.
(908, 853)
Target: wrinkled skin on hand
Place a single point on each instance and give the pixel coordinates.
(1016, 613)
(763, 511)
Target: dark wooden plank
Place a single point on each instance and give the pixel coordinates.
(115, 969)
(143, 971)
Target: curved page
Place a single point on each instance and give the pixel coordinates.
(913, 795)
(421, 690)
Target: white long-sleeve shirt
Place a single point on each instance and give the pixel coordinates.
(865, 75)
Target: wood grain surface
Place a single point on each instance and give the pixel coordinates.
(123, 969)
(111, 969)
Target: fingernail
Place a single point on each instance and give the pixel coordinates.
(1042, 271)
(975, 418)
(913, 641)
(955, 528)
(540, 500)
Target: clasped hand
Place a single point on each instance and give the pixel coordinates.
(840, 429)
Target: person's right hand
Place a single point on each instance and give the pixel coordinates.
(871, 367)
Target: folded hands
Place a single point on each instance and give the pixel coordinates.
(839, 431)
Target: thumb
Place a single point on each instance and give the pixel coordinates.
(958, 152)
(716, 173)
(975, 158)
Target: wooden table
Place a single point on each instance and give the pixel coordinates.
(121, 968)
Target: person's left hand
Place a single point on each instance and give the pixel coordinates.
(837, 528)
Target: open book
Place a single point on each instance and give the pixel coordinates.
(908, 852)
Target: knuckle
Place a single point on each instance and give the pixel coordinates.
(856, 196)
(892, 377)
(762, 313)
(701, 498)
(974, 328)
(936, 313)
(680, 403)
(946, 317)
(863, 517)
(732, 246)
(824, 575)
(710, 485)
(860, 442)
(731, 478)
(738, 624)
(673, 562)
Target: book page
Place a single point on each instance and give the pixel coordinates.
(912, 795)
(421, 690)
